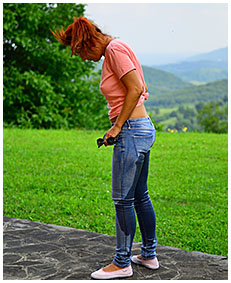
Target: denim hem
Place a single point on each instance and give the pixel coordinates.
(150, 257)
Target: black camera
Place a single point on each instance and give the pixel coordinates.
(110, 141)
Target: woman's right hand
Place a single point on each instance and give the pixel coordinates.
(113, 132)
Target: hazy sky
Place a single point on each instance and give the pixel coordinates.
(164, 28)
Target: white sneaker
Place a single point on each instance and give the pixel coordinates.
(149, 263)
(124, 272)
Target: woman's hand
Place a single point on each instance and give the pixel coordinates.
(113, 132)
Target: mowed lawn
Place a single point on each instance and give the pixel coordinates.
(61, 177)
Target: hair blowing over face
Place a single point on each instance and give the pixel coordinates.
(82, 34)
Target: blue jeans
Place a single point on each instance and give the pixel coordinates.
(129, 189)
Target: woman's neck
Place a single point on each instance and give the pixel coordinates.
(108, 39)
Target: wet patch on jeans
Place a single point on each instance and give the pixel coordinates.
(120, 195)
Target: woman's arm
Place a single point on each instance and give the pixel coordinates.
(134, 91)
(146, 88)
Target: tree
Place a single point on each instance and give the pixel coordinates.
(157, 111)
(181, 109)
(44, 86)
(173, 114)
(199, 106)
(188, 113)
(214, 118)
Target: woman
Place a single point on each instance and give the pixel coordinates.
(124, 88)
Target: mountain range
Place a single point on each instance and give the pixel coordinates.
(217, 55)
(167, 90)
(205, 67)
(209, 92)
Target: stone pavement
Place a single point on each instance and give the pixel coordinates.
(35, 250)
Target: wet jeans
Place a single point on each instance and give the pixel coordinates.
(129, 189)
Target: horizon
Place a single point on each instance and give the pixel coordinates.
(170, 58)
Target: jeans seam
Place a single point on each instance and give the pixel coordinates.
(143, 230)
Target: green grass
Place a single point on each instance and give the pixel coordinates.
(61, 177)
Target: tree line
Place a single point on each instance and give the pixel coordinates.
(193, 94)
(211, 116)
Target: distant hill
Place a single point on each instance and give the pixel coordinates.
(203, 93)
(159, 81)
(205, 67)
(218, 55)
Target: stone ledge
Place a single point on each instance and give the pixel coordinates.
(38, 251)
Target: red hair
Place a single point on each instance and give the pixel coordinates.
(82, 34)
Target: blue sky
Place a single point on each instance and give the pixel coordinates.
(174, 29)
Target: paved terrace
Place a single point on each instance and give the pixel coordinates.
(40, 251)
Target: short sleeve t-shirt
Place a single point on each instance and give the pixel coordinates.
(119, 60)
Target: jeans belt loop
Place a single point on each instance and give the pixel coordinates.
(128, 125)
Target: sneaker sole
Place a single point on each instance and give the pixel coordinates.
(146, 265)
(112, 277)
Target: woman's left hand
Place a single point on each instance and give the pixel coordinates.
(113, 132)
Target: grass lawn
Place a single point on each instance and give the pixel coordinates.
(61, 177)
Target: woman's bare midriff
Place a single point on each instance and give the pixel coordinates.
(138, 112)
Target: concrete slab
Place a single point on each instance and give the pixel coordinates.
(37, 251)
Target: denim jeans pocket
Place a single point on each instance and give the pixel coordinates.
(143, 141)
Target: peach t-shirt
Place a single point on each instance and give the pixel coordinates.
(119, 60)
